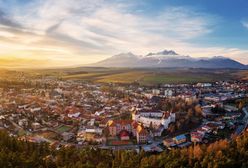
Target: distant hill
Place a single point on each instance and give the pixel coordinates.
(169, 59)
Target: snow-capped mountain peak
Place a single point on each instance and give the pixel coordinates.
(168, 58)
(165, 52)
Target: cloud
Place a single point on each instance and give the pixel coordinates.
(6, 21)
(245, 23)
(14, 62)
(112, 29)
(85, 31)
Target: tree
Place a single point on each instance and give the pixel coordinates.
(198, 110)
(241, 105)
(198, 153)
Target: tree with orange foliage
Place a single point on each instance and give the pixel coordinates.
(198, 153)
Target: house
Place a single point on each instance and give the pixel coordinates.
(230, 108)
(23, 122)
(98, 113)
(168, 93)
(36, 109)
(196, 137)
(180, 139)
(103, 123)
(155, 92)
(73, 112)
(36, 125)
(201, 131)
(74, 115)
(67, 136)
(94, 130)
(169, 143)
(141, 134)
(206, 128)
(207, 110)
(204, 85)
(116, 126)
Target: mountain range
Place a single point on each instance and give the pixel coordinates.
(168, 59)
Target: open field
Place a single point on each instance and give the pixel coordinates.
(169, 78)
(142, 76)
(125, 77)
(242, 75)
(63, 128)
(83, 75)
(157, 76)
(150, 78)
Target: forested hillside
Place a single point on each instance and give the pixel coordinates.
(14, 153)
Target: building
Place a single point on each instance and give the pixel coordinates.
(124, 129)
(154, 118)
(180, 139)
(230, 108)
(196, 136)
(141, 134)
(36, 125)
(169, 143)
(67, 136)
(168, 93)
(204, 85)
(116, 126)
(155, 92)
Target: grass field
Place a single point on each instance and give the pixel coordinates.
(63, 128)
(165, 78)
(144, 76)
(156, 76)
(242, 75)
(126, 77)
(83, 75)
(48, 135)
(150, 78)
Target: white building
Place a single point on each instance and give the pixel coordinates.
(35, 109)
(168, 93)
(74, 115)
(93, 130)
(154, 118)
(155, 92)
(204, 85)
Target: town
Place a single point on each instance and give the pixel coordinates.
(122, 116)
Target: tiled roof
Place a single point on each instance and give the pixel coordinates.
(121, 122)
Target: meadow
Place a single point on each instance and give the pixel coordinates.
(155, 76)
(143, 76)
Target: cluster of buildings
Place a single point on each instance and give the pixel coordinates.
(143, 124)
(202, 134)
(127, 129)
(77, 113)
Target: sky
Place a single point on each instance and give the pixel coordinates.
(53, 33)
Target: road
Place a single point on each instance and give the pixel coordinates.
(241, 128)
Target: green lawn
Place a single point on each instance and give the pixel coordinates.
(144, 76)
(169, 79)
(148, 77)
(83, 75)
(126, 77)
(63, 128)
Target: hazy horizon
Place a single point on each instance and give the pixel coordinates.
(45, 34)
